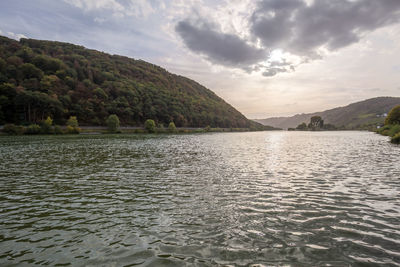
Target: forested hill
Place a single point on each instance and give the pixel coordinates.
(47, 78)
(360, 115)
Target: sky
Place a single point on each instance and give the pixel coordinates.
(265, 57)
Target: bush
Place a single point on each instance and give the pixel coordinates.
(395, 139)
(172, 127)
(394, 129)
(384, 130)
(33, 129)
(73, 130)
(13, 129)
(72, 121)
(150, 126)
(393, 116)
(113, 123)
(58, 130)
(46, 126)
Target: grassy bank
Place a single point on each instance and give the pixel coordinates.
(29, 130)
(391, 130)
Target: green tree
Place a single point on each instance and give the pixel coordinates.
(395, 139)
(316, 122)
(302, 126)
(150, 126)
(33, 129)
(394, 116)
(113, 123)
(172, 127)
(72, 125)
(46, 125)
(72, 121)
(30, 71)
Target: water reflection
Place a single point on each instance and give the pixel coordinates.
(271, 198)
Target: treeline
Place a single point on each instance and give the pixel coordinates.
(316, 124)
(40, 79)
(113, 126)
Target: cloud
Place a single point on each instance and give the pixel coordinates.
(222, 48)
(327, 24)
(15, 36)
(305, 30)
(119, 8)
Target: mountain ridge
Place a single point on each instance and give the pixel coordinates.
(50, 78)
(358, 115)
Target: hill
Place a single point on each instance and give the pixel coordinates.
(48, 78)
(360, 115)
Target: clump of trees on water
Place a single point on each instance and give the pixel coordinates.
(316, 124)
(392, 125)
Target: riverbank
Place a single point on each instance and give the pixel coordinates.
(393, 131)
(22, 130)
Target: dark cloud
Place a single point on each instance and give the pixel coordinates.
(294, 26)
(272, 71)
(272, 22)
(332, 24)
(218, 47)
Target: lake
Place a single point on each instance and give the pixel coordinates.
(236, 199)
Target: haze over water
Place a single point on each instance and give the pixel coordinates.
(270, 198)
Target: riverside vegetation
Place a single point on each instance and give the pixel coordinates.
(316, 124)
(113, 126)
(392, 125)
(41, 79)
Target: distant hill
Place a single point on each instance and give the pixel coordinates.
(47, 78)
(359, 115)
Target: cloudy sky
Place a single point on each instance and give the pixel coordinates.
(266, 58)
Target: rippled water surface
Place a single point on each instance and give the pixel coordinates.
(238, 199)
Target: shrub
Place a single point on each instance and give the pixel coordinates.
(113, 123)
(46, 126)
(72, 121)
(172, 127)
(150, 126)
(72, 126)
(73, 130)
(395, 139)
(393, 116)
(58, 130)
(384, 130)
(13, 129)
(33, 129)
(394, 129)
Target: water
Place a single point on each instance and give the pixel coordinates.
(237, 199)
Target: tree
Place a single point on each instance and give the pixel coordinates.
(150, 126)
(30, 71)
(302, 126)
(113, 123)
(316, 122)
(46, 125)
(172, 127)
(72, 121)
(33, 129)
(394, 116)
(72, 126)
